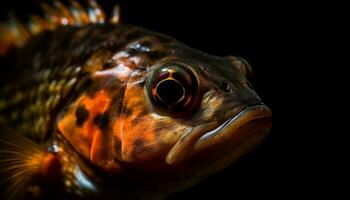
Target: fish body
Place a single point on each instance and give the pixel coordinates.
(114, 110)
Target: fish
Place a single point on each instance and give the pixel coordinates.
(92, 108)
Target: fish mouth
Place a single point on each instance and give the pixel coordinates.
(205, 136)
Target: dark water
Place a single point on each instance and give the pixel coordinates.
(261, 33)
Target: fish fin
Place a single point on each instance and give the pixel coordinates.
(14, 33)
(20, 161)
(115, 17)
(74, 14)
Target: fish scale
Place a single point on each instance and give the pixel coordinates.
(51, 79)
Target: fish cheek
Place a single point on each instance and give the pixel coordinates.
(140, 133)
(135, 127)
(144, 139)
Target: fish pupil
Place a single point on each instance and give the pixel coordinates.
(170, 91)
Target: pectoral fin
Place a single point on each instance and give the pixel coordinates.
(21, 160)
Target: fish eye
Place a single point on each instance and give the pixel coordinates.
(172, 88)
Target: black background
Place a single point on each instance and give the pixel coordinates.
(276, 39)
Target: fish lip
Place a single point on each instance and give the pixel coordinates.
(214, 135)
(246, 115)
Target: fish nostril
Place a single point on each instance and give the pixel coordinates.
(225, 86)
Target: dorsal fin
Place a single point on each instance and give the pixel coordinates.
(15, 33)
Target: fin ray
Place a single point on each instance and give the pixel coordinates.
(20, 160)
(14, 33)
(115, 17)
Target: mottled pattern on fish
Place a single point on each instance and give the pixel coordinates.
(62, 66)
(118, 101)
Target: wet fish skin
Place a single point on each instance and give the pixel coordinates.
(83, 94)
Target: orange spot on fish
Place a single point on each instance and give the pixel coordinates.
(89, 139)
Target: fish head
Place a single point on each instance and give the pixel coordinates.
(162, 105)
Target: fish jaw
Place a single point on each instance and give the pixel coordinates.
(231, 127)
(249, 126)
